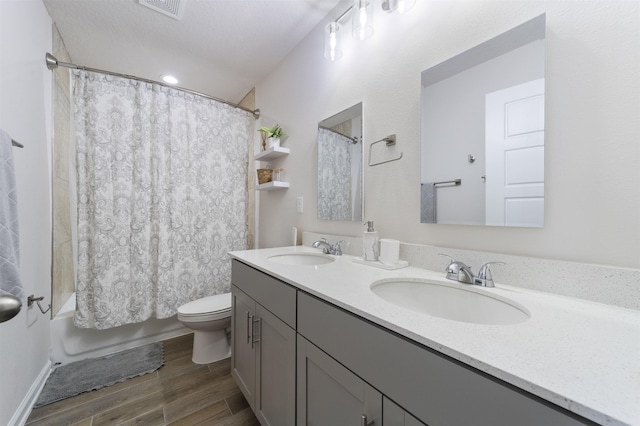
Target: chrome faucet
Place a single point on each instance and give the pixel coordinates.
(460, 272)
(327, 247)
(484, 277)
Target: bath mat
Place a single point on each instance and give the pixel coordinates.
(94, 373)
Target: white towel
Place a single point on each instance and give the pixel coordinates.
(9, 236)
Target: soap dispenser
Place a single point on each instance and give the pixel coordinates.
(370, 243)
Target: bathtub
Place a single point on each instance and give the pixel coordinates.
(69, 343)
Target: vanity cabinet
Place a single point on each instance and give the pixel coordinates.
(264, 344)
(433, 388)
(348, 367)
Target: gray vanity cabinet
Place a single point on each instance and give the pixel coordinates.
(437, 390)
(263, 359)
(348, 367)
(329, 394)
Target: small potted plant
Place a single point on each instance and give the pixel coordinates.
(272, 136)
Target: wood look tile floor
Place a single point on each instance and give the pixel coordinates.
(179, 393)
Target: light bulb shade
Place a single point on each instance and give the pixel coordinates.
(399, 6)
(332, 41)
(362, 20)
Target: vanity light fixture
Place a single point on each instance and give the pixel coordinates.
(362, 19)
(332, 41)
(169, 79)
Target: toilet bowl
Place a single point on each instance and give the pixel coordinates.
(209, 318)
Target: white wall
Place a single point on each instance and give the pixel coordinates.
(592, 127)
(25, 113)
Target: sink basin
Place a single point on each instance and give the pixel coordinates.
(305, 259)
(450, 301)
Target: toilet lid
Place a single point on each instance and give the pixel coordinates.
(219, 302)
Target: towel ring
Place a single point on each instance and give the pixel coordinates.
(390, 141)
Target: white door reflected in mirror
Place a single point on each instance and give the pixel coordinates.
(514, 147)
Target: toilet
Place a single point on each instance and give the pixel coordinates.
(209, 318)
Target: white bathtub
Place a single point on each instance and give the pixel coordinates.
(69, 343)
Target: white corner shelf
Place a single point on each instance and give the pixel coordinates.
(270, 186)
(271, 153)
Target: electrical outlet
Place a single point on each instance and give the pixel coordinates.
(299, 205)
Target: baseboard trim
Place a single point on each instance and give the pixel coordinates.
(21, 415)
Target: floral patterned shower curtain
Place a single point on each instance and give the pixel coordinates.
(161, 197)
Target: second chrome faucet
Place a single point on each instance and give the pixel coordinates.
(460, 272)
(327, 247)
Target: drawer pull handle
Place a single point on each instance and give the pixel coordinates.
(249, 327)
(259, 333)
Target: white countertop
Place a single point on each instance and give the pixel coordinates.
(579, 355)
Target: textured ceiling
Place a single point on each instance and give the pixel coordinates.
(220, 47)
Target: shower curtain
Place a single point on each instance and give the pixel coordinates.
(334, 176)
(161, 197)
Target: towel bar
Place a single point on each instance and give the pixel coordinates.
(456, 182)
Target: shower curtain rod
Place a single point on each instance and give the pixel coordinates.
(53, 63)
(354, 139)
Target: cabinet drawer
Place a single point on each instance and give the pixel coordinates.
(279, 298)
(434, 388)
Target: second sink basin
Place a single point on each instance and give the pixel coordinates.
(450, 301)
(308, 259)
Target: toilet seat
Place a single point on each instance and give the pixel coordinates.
(208, 308)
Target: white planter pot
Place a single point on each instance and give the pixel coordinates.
(273, 142)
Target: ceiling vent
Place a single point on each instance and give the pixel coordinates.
(171, 8)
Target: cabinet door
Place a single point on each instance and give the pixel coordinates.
(243, 358)
(276, 378)
(329, 394)
(394, 415)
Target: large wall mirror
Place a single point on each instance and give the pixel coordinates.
(482, 112)
(340, 186)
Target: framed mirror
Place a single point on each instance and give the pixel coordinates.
(482, 138)
(340, 184)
